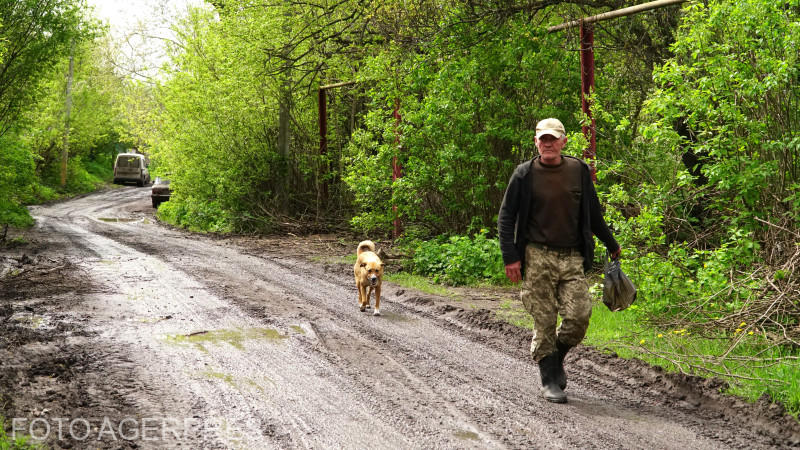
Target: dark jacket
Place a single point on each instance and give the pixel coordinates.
(512, 221)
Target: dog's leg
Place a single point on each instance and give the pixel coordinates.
(369, 293)
(358, 286)
(362, 297)
(360, 294)
(377, 300)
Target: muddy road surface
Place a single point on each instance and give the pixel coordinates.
(119, 332)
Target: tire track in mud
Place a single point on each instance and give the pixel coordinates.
(318, 373)
(475, 378)
(458, 378)
(290, 412)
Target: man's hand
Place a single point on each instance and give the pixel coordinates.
(614, 255)
(514, 271)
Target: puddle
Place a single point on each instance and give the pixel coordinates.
(116, 219)
(153, 319)
(227, 378)
(261, 384)
(394, 317)
(466, 435)
(234, 337)
(260, 387)
(135, 297)
(30, 321)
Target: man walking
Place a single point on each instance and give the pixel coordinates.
(545, 225)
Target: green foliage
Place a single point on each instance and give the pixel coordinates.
(460, 260)
(466, 122)
(36, 34)
(32, 96)
(216, 139)
(16, 178)
(3, 47)
(17, 443)
(731, 84)
(237, 115)
(195, 214)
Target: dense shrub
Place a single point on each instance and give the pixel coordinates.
(461, 260)
(468, 118)
(195, 214)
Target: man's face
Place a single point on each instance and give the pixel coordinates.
(550, 148)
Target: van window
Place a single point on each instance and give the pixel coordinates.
(128, 161)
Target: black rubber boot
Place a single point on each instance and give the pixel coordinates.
(561, 376)
(548, 368)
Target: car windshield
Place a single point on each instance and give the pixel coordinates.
(128, 161)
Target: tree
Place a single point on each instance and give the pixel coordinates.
(36, 34)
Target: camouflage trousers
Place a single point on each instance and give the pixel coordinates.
(554, 285)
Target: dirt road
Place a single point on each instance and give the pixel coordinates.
(131, 334)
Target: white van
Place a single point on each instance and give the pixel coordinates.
(130, 168)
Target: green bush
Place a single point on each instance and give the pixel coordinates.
(40, 194)
(16, 178)
(467, 121)
(195, 214)
(9, 443)
(461, 260)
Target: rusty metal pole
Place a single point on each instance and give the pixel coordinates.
(587, 63)
(617, 13)
(397, 168)
(322, 197)
(323, 144)
(587, 88)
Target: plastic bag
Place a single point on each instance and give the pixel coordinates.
(618, 290)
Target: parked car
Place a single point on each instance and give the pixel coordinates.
(161, 191)
(131, 168)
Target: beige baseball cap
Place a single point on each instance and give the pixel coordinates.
(550, 126)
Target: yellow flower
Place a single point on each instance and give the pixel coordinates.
(642, 341)
(750, 333)
(738, 330)
(742, 324)
(660, 335)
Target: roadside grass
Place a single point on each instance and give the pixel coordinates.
(745, 359)
(747, 362)
(19, 443)
(515, 314)
(419, 283)
(334, 259)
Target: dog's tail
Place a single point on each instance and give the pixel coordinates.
(365, 246)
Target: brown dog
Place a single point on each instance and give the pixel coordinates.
(368, 271)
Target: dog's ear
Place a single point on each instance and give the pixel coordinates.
(383, 264)
(363, 264)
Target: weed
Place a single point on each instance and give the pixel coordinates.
(419, 283)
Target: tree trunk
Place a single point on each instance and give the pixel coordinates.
(67, 111)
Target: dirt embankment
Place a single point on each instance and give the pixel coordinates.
(158, 338)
